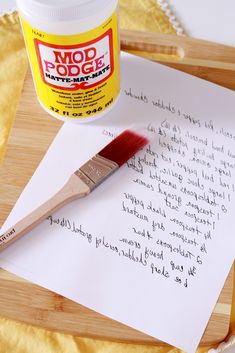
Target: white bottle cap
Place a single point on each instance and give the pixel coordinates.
(62, 10)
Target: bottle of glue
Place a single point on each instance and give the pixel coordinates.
(73, 50)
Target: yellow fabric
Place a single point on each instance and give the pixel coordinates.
(13, 65)
(144, 15)
(17, 337)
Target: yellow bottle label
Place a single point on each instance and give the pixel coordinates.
(76, 76)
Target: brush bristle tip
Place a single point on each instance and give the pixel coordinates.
(124, 146)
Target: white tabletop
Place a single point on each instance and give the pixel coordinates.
(7, 6)
(212, 20)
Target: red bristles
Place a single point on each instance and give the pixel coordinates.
(123, 147)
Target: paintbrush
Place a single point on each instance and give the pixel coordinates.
(81, 182)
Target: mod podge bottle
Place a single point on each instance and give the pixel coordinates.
(73, 50)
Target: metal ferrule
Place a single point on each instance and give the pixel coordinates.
(96, 170)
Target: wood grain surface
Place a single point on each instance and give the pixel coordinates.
(179, 49)
(32, 133)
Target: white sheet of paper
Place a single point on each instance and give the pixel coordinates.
(150, 247)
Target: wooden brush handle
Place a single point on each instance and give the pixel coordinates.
(180, 49)
(73, 189)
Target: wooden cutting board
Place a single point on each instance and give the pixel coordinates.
(31, 135)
